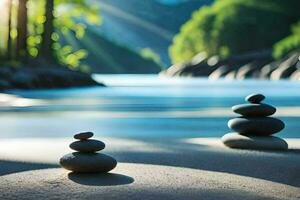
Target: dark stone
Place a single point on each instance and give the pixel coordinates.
(235, 140)
(202, 66)
(267, 70)
(6, 72)
(43, 78)
(83, 136)
(219, 72)
(24, 79)
(255, 98)
(296, 75)
(4, 85)
(250, 70)
(286, 67)
(256, 125)
(87, 146)
(88, 162)
(254, 110)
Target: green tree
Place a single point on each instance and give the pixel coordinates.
(46, 50)
(34, 28)
(288, 44)
(21, 49)
(234, 26)
(63, 22)
(148, 53)
(9, 28)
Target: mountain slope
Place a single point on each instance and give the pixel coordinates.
(106, 56)
(145, 24)
(128, 27)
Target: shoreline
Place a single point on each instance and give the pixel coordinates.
(27, 78)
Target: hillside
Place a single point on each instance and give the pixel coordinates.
(127, 28)
(145, 24)
(106, 56)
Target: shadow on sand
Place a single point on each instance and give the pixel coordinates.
(281, 167)
(97, 179)
(276, 166)
(9, 167)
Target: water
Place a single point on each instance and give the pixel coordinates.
(139, 106)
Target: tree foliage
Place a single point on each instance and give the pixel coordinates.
(289, 43)
(68, 16)
(234, 26)
(148, 53)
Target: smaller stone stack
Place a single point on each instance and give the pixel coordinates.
(255, 128)
(86, 159)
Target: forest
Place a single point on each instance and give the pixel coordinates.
(33, 29)
(232, 27)
(113, 37)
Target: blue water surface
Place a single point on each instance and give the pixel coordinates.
(139, 106)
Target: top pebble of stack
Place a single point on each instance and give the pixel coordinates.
(255, 98)
(83, 136)
(255, 108)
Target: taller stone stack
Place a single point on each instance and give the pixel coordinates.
(255, 128)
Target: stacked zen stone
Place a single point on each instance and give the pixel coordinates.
(255, 127)
(85, 159)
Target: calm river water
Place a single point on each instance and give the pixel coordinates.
(141, 106)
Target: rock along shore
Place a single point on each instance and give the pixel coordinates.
(43, 78)
(258, 65)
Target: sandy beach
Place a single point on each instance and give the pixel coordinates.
(149, 100)
(151, 169)
(167, 143)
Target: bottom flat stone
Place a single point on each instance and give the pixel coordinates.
(88, 162)
(235, 140)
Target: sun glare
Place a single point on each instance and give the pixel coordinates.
(3, 6)
(3, 3)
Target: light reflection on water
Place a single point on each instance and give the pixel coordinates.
(146, 106)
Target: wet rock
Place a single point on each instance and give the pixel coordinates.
(83, 136)
(267, 70)
(251, 110)
(87, 146)
(255, 98)
(231, 75)
(286, 68)
(246, 71)
(88, 162)
(23, 79)
(216, 67)
(218, 73)
(296, 75)
(235, 140)
(5, 85)
(256, 125)
(43, 78)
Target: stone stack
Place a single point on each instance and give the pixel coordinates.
(86, 159)
(254, 129)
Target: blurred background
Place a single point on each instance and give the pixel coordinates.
(228, 38)
(170, 67)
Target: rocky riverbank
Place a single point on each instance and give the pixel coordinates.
(43, 78)
(258, 65)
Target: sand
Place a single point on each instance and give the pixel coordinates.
(140, 181)
(199, 168)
